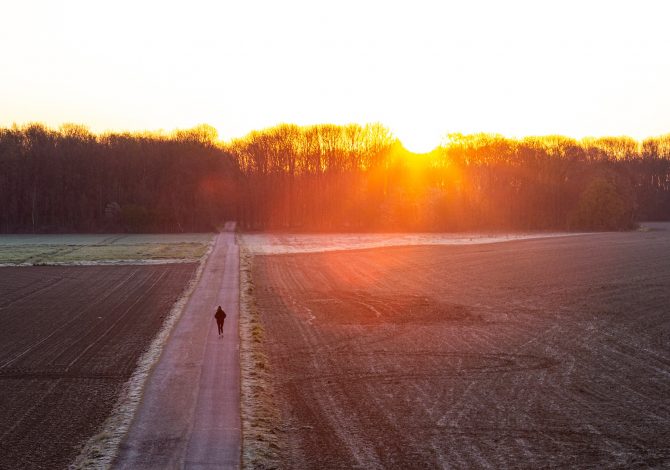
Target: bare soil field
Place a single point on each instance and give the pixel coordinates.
(70, 338)
(539, 353)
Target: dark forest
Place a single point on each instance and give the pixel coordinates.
(324, 178)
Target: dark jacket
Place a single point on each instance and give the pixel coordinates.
(220, 314)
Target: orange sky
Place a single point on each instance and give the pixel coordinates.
(421, 68)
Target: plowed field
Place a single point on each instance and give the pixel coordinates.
(69, 338)
(527, 354)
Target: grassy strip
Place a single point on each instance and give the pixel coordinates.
(45, 254)
(261, 434)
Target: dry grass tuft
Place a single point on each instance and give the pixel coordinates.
(261, 434)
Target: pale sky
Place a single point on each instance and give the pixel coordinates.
(421, 68)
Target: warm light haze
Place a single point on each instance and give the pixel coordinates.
(421, 68)
(303, 234)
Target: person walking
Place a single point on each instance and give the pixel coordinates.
(220, 315)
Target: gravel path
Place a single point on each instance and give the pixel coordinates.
(190, 416)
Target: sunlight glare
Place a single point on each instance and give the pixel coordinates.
(418, 138)
(459, 67)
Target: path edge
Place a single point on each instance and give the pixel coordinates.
(262, 436)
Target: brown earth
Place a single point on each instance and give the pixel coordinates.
(529, 354)
(70, 338)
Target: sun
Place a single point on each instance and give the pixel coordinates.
(418, 139)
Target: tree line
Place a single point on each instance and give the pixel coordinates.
(324, 178)
(72, 180)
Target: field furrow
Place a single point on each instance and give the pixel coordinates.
(69, 342)
(537, 353)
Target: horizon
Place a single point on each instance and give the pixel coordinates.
(444, 142)
(518, 69)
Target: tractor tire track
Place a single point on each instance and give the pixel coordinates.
(539, 353)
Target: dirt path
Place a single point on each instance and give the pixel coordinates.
(190, 416)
